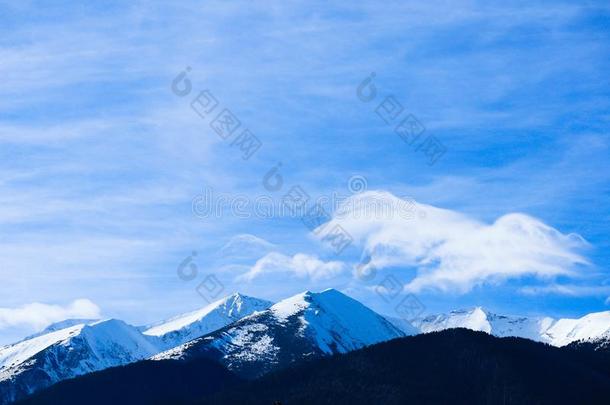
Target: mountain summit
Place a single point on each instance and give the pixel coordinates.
(182, 328)
(306, 325)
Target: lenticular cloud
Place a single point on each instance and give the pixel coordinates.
(451, 251)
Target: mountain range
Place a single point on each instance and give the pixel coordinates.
(454, 366)
(251, 338)
(308, 325)
(556, 332)
(76, 347)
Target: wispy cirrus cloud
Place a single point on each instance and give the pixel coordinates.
(246, 245)
(570, 290)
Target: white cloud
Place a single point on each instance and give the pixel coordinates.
(452, 251)
(37, 315)
(300, 265)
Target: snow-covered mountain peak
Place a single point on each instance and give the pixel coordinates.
(480, 319)
(305, 325)
(336, 321)
(593, 326)
(120, 334)
(182, 328)
(474, 318)
(292, 305)
(307, 299)
(238, 305)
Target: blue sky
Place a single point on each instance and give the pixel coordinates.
(100, 160)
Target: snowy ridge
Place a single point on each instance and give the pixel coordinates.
(62, 325)
(186, 327)
(338, 323)
(108, 343)
(590, 327)
(33, 364)
(560, 332)
(305, 325)
(12, 356)
(474, 319)
(482, 320)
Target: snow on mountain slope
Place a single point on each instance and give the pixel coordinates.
(481, 320)
(544, 329)
(36, 363)
(61, 325)
(594, 326)
(590, 327)
(518, 326)
(182, 328)
(74, 347)
(338, 322)
(474, 319)
(405, 326)
(15, 354)
(303, 326)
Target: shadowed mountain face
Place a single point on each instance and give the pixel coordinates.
(307, 325)
(447, 367)
(183, 328)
